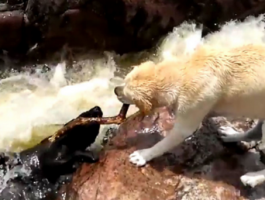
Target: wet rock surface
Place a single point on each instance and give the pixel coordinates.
(36, 29)
(201, 168)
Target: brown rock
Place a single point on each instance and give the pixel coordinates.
(201, 168)
(11, 25)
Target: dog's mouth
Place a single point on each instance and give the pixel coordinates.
(118, 90)
(124, 100)
(120, 95)
(120, 98)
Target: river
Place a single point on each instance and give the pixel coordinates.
(35, 104)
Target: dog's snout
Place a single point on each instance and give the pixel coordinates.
(120, 95)
(116, 90)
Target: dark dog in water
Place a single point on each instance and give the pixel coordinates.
(50, 161)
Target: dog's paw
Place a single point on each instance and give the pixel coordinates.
(253, 179)
(140, 157)
(228, 134)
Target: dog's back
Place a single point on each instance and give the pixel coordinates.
(232, 81)
(242, 82)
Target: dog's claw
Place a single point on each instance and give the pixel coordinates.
(252, 179)
(137, 159)
(228, 134)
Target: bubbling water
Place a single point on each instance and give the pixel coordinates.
(34, 105)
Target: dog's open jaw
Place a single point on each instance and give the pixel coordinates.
(119, 91)
(124, 100)
(141, 101)
(144, 106)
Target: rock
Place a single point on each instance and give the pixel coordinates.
(37, 29)
(201, 168)
(11, 25)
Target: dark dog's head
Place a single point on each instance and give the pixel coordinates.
(93, 112)
(90, 130)
(82, 136)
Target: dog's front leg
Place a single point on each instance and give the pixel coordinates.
(182, 129)
(256, 178)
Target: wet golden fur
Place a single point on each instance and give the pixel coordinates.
(221, 78)
(221, 81)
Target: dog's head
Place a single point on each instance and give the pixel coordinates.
(81, 136)
(93, 112)
(139, 88)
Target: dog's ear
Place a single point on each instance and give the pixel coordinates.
(144, 105)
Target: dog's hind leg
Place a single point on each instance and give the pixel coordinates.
(255, 178)
(228, 134)
(261, 146)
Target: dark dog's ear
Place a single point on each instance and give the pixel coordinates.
(93, 112)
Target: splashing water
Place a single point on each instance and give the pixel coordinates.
(32, 104)
(185, 38)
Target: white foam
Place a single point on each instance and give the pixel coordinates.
(186, 37)
(52, 101)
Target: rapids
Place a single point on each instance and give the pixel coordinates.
(35, 102)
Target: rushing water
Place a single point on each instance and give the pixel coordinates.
(34, 104)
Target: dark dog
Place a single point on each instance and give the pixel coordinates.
(51, 160)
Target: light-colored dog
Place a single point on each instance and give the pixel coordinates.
(227, 82)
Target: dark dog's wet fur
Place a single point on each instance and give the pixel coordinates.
(52, 160)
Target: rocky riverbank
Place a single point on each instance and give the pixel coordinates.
(36, 29)
(202, 168)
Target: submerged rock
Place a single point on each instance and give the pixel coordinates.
(201, 168)
(35, 29)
